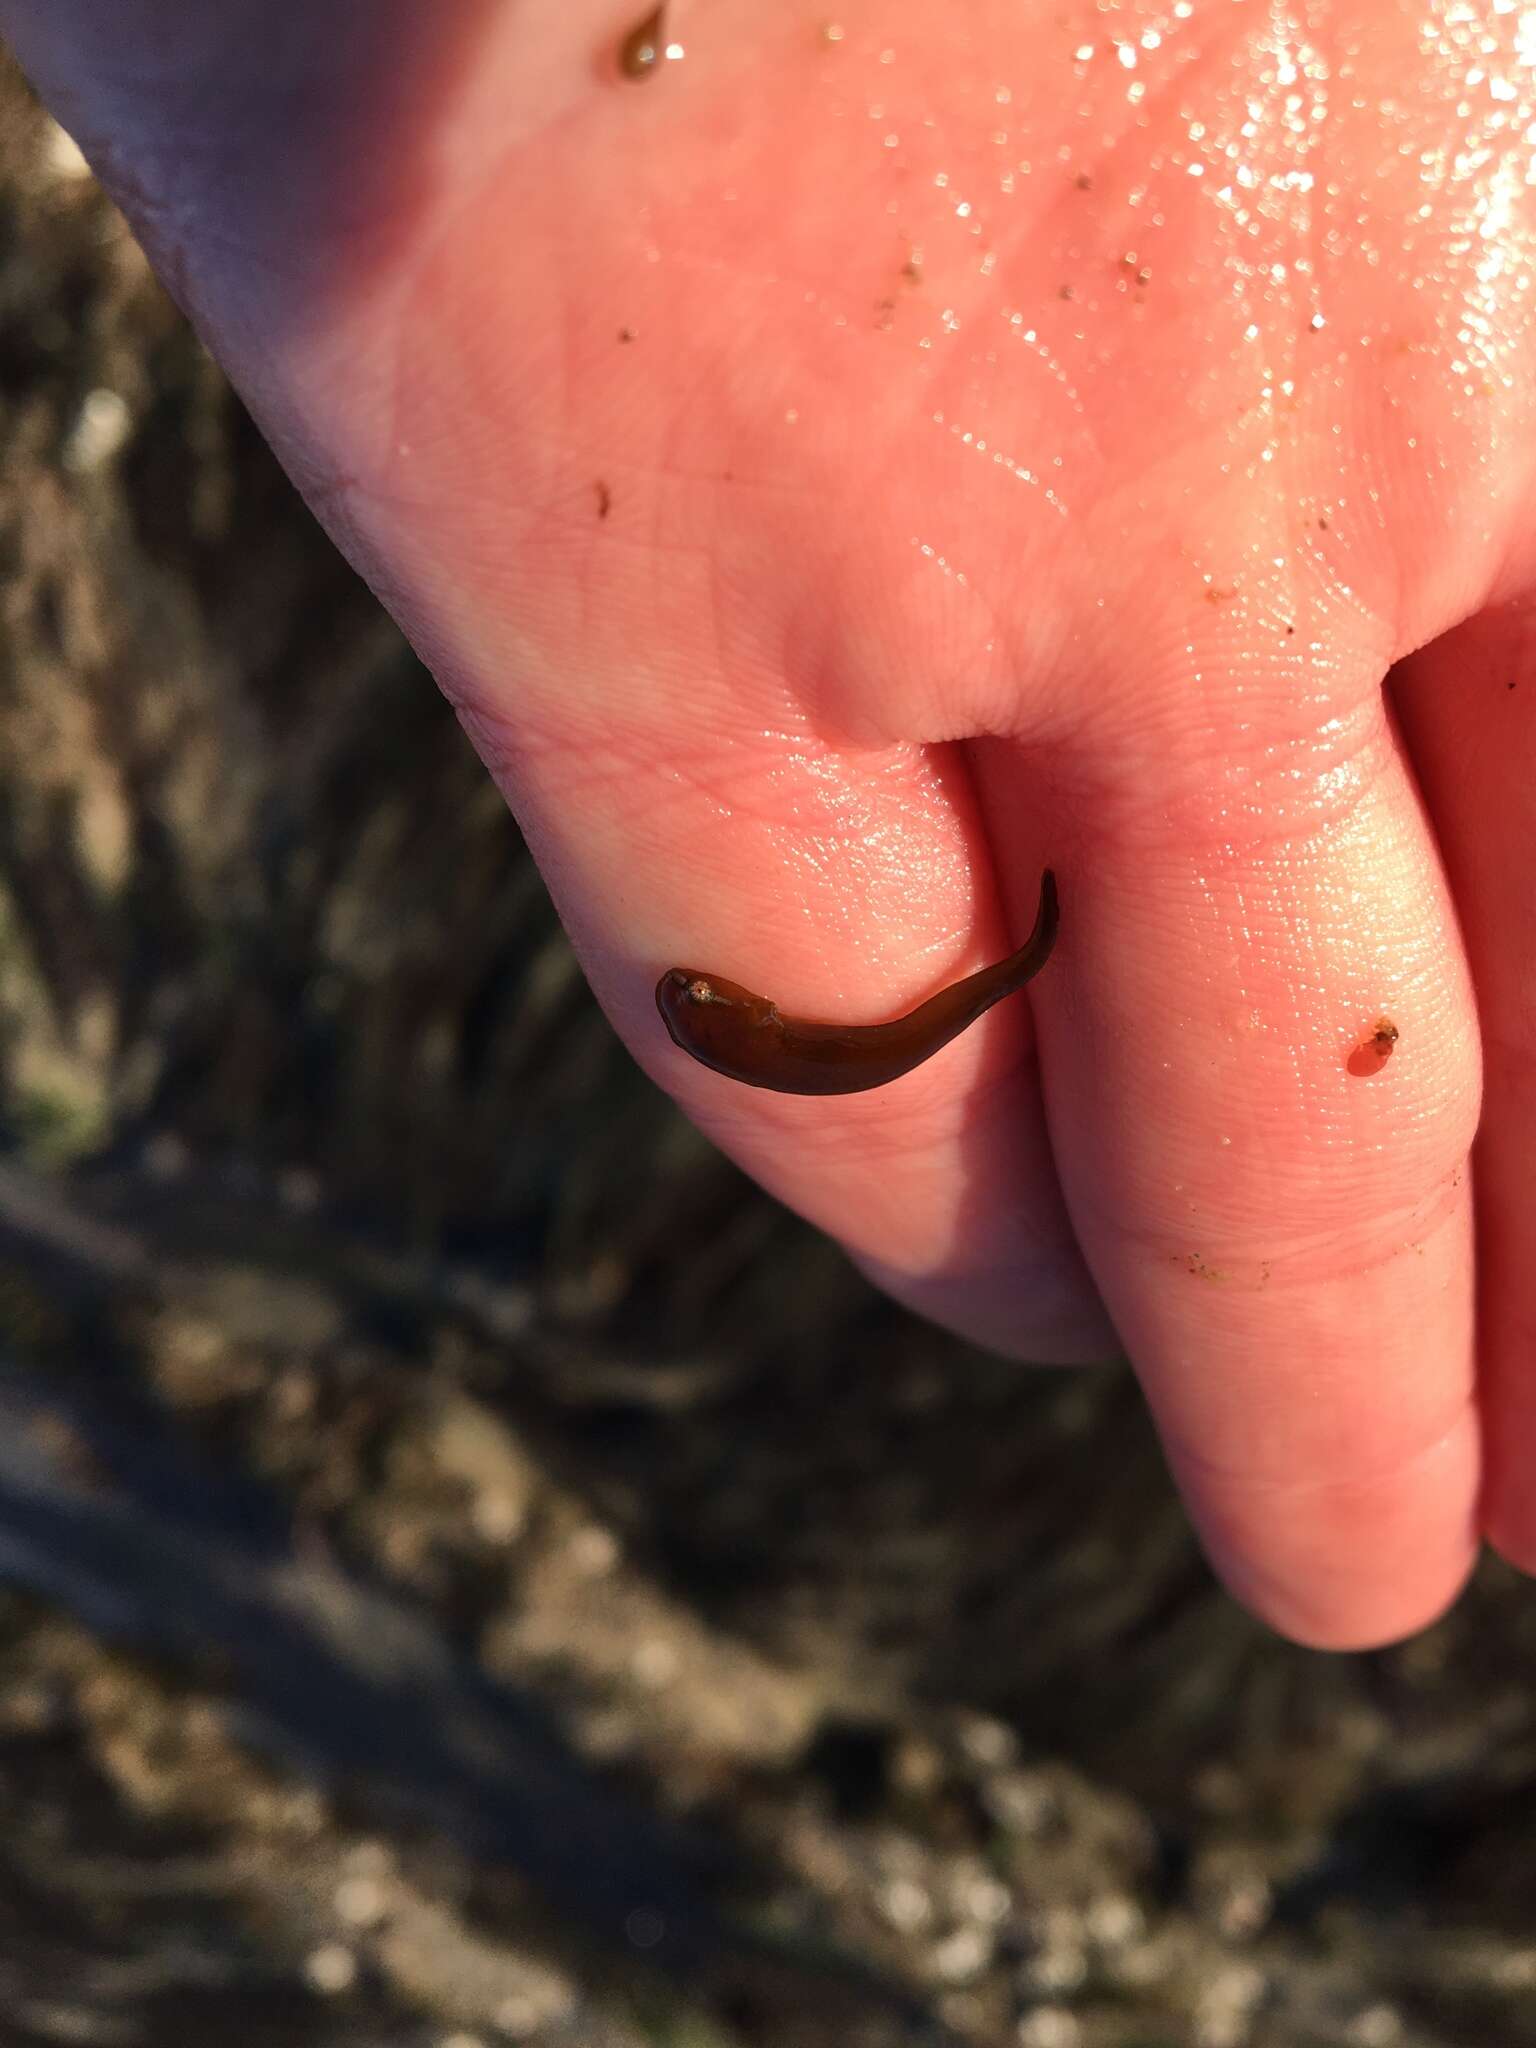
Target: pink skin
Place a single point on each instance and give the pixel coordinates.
(1038, 435)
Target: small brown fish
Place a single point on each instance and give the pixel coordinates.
(744, 1036)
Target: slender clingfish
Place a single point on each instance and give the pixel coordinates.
(641, 48)
(744, 1036)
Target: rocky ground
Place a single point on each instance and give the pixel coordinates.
(473, 1571)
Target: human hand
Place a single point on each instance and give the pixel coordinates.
(894, 450)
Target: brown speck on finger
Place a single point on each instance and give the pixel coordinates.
(604, 499)
(1372, 1054)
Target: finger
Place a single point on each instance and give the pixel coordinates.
(1284, 1246)
(853, 890)
(1469, 706)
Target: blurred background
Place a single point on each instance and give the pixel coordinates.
(472, 1570)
